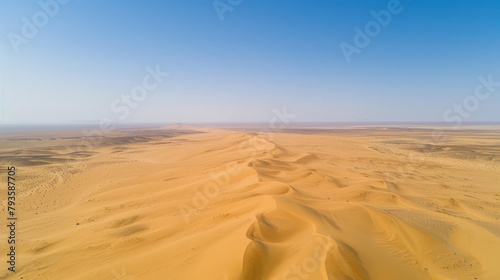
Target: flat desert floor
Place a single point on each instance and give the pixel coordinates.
(192, 203)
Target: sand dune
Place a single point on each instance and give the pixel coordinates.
(200, 203)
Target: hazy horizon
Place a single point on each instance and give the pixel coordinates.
(250, 139)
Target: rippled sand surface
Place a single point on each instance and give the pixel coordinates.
(199, 203)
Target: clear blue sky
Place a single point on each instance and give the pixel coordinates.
(263, 55)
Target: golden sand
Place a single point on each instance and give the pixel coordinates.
(218, 204)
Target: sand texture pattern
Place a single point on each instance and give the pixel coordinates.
(186, 203)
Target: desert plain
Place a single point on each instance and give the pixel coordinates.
(214, 203)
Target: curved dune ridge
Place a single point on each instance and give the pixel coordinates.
(218, 204)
